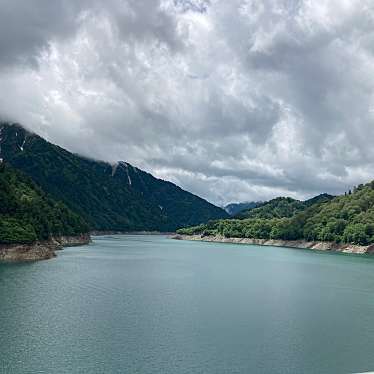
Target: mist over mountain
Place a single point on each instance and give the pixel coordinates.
(107, 196)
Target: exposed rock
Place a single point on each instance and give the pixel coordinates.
(71, 241)
(27, 252)
(111, 232)
(318, 246)
(40, 250)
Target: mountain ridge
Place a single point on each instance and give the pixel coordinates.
(108, 196)
(235, 208)
(282, 207)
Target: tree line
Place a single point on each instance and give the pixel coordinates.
(27, 214)
(343, 219)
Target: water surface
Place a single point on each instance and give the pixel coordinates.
(148, 304)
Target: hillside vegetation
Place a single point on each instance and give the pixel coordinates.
(282, 207)
(344, 219)
(109, 197)
(28, 215)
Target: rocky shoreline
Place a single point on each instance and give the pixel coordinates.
(301, 244)
(40, 250)
(101, 233)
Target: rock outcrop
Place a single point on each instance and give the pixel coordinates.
(40, 250)
(318, 246)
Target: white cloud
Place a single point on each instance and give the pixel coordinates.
(233, 100)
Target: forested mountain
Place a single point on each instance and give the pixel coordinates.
(347, 219)
(28, 215)
(322, 198)
(235, 208)
(108, 197)
(281, 207)
(276, 208)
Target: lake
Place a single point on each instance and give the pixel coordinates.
(149, 304)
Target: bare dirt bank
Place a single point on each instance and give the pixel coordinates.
(318, 246)
(40, 250)
(108, 232)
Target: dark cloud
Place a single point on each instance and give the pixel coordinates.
(200, 6)
(234, 100)
(28, 27)
(142, 21)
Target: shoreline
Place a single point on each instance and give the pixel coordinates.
(42, 250)
(299, 244)
(103, 233)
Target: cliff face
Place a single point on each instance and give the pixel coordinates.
(40, 250)
(318, 246)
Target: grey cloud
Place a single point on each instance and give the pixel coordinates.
(200, 6)
(27, 28)
(233, 100)
(143, 20)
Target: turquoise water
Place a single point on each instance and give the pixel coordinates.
(148, 304)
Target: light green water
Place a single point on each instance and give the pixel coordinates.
(148, 304)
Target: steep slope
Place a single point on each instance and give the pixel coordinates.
(119, 197)
(27, 215)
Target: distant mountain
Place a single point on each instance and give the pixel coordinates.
(234, 208)
(108, 197)
(322, 198)
(275, 208)
(28, 215)
(282, 207)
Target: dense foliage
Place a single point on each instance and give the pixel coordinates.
(28, 215)
(276, 208)
(347, 219)
(108, 197)
(282, 207)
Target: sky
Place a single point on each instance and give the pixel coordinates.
(240, 100)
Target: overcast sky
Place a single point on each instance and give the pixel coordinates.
(234, 100)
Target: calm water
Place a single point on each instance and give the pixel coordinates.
(147, 304)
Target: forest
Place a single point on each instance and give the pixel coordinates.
(343, 219)
(27, 214)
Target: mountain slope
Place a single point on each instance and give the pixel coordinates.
(235, 208)
(282, 207)
(28, 215)
(322, 198)
(343, 219)
(119, 197)
(275, 208)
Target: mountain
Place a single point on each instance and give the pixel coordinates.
(235, 208)
(28, 215)
(108, 197)
(281, 207)
(343, 219)
(322, 198)
(275, 208)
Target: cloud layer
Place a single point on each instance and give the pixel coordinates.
(233, 100)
